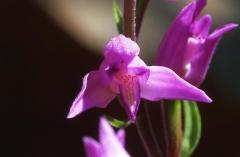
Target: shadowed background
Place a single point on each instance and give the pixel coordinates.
(46, 48)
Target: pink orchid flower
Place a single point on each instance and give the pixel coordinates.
(122, 73)
(109, 145)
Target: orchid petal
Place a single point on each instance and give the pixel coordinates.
(120, 49)
(173, 45)
(130, 95)
(163, 83)
(201, 27)
(139, 68)
(109, 142)
(218, 33)
(201, 60)
(137, 62)
(92, 147)
(94, 93)
(200, 5)
(142, 72)
(121, 136)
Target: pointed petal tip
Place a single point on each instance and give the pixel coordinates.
(204, 97)
(103, 120)
(87, 139)
(92, 147)
(121, 136)
(208, 100)
(70, 115)
(230, 26)
(133, 118)
(220, 31)
(104, 124)
(187, 13)
(121, 133)
(234, 25)
(74, 110)
(202, 26)
(207, 18)
(200, 5)
(90, 143)
(132, 113)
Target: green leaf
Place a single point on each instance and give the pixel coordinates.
(174, 118)
(117, 14)
(192, 128)
(117, 123)
(174, 111)
(172, 125)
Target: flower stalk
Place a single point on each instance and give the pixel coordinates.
(158, 150)
(130, 31)
(147, 134)
(143, 137)
(165, 128)
(130, 19)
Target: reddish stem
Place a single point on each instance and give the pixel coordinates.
(130, 18)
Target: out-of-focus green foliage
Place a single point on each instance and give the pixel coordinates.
(117, 16)
(117, 123)
(192, 128)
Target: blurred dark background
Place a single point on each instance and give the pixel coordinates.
(41, 70)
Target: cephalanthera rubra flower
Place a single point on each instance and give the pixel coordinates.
(110, 143)
(122, 73)
(187, 47)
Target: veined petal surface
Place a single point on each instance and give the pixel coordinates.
(130, 95)
(163, 83)
(94, 93)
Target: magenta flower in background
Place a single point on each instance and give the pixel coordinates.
(123, 73)
(109, 145)
(187, 48)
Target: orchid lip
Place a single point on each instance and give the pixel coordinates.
(129, 92)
